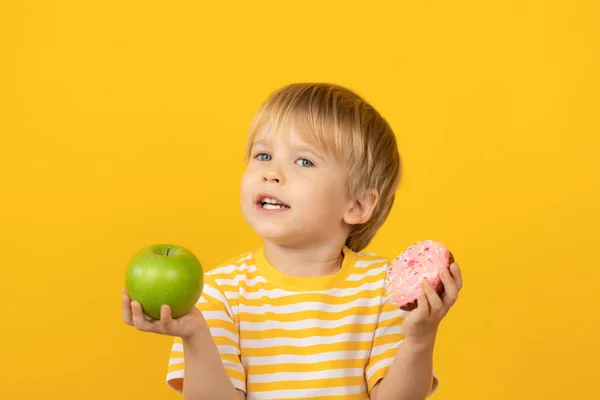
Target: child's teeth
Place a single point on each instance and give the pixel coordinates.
(272, 206)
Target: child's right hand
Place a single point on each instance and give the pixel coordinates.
(184, 327)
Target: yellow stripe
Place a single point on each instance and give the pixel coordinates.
(391, 338)
(391, 353)
(380, 374)
(235, 374)
(178, 354)
(214, 273)
(306, 351)
(175, 367)
(309, 314)
(219, 323)
(210, 301)
(232, 373)
(360, 396)
(311, 297)
(224, 341)
(319, 366)
(306, 333)
(261, 285)
(231, 358)
(306, 384)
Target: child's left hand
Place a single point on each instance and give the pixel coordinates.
(422, 323)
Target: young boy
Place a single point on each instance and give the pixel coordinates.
(306, 315)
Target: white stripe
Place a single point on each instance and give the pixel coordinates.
(366, 254)
(386, 362)
(307, 393)
(311, 306)
(241, 278)
(397, 313)
(233, 365)
(389, 330)
(228, 269)
(308, 358)
(228, 350)
(305, 376)
(279, 293)
(238, 384)
(215, 293)
(232, 295)
(220, 332)
(223, 349)
(370, 272)
(309, 322)
(179, 374)
(375, 351)
(367, 263)
(177, 347)
(174, 375)
(218, 269)
(175, 361)
(305, 342)
(233, 310)
(318, 323)
(218, 315)
(401, 313)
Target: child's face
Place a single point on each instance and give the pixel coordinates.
(309, 186)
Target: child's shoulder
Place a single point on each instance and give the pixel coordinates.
(368, 259)
(232, 265)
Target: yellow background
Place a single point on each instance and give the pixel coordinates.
(122, 124)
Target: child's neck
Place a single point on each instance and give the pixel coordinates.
(303, 262)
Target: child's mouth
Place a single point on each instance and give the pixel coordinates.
(270, 203)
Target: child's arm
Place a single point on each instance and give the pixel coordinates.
(204, 375)
(410, 377)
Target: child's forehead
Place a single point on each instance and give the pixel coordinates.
(298, 134)
(289, 134)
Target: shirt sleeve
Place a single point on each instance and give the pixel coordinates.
(218, 314)
(388, 336)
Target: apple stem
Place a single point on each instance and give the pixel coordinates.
(167, 253)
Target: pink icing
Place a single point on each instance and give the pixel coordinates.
(421, 260)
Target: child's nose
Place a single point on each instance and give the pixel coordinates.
(273, 175)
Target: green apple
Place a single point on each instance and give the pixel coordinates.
(164, 274)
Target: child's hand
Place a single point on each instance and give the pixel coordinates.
(185, 326)
(421, 324)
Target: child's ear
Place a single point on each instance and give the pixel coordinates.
(362, 207)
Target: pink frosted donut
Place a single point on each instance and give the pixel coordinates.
(420, 260)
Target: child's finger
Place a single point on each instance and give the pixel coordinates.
(457, 275)
(435, 303)
(126, 308)
(422, 306)
(450, 289)
(138, 317)
(165, 317)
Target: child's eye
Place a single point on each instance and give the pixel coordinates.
(303, 162)
(263, 157)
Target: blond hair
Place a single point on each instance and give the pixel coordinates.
(340, 122)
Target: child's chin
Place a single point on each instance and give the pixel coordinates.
(275, 235)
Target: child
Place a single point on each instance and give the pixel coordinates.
(305, 315)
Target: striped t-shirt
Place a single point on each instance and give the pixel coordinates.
(283, 337)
